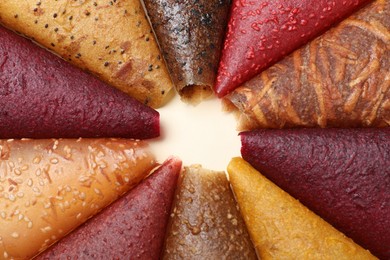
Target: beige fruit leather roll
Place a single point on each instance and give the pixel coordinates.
(280, 226)
(205, 222)
(341, 79)
(49, 187)
(111, 39)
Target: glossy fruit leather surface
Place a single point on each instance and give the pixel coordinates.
(261, 32)
(343, 175)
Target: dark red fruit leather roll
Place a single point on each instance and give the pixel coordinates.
(261, 32)
(133, 227)
(42, 96)
(341, 174)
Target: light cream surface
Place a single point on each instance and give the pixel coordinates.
(202, 134)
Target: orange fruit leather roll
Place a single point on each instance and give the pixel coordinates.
(49, 187)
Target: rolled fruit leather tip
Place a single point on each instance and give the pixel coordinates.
(205, 220)
(54, 185)
(42, 96)
(344, 85)
(261, 33)
(280, 226)
(191, 41)
(348, 170)
(122, 50)
(133, 226)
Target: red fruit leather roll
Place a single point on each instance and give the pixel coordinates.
(262, 32)
(42, 96)
(341, 174)
(132, 227)
(191, 35)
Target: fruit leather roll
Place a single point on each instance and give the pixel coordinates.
(343, 175)
(111, 39)
(261, 33)
(132, 227)
(190, 34)
(205, 222)
(280, 226)
(340, 79)
(42, 96)
(49, 187)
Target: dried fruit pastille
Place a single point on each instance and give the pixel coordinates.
(280, 226)
(111, 39)
(261, 32)
(134, 225)
(343, 175)
(205, 221)
(49, 187)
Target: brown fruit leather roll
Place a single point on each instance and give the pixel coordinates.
(190, 34)
(341, 79)
(132, 227)
(42, 96)
(111, 39)
(49, 187)
(343, 175)
(205, 221)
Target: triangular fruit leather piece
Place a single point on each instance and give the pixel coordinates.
(49, 187)
(111, 39)
(343, 175)
(262, 32)
(205, 221)
(42, 96)
(191, 35)
(340, 79)
(132, 227)
(280, 226)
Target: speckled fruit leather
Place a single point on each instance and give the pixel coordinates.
(134, 225)
(343, 175)
(112, 40)
(261, 32)
(191, 35)
(43, 96)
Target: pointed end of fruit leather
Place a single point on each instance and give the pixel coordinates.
(213, 227)
(344, 168)
(134, 225)
(227, 79)
(223, 86)
(234, 68)
(275, 220)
